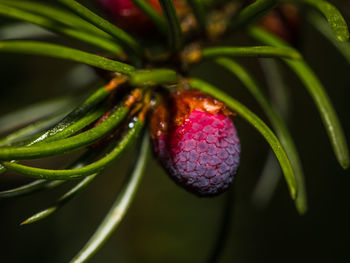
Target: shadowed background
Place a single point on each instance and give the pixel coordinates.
(167, 224)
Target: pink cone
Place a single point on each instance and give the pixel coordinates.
(201, 150)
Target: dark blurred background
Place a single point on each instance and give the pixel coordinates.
(167, 224)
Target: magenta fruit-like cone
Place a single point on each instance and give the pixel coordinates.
(196, 141)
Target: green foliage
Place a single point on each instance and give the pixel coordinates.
(319, 95)
(110, 120)
(174, 27)
(263, 52)
(277, 123)
(57, 51)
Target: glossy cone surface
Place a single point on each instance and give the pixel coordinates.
(195, 140)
